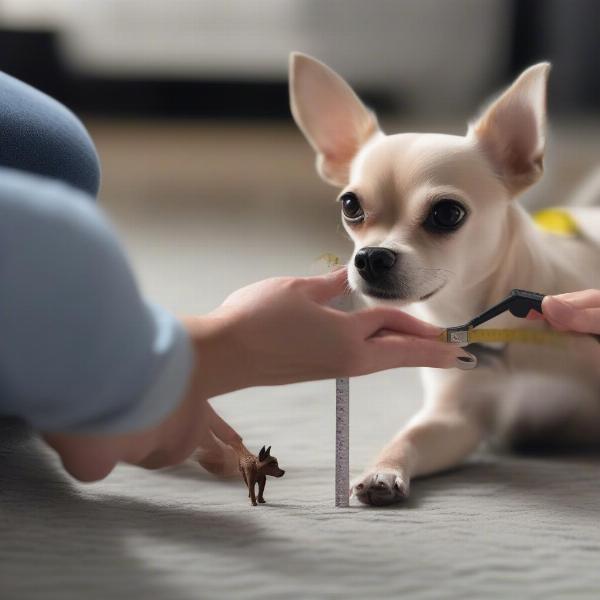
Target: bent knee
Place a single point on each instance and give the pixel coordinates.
(42, 136)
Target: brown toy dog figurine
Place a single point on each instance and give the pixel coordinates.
(255, 470)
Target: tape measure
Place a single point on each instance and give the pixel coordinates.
(504, 336)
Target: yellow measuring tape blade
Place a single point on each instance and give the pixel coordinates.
(525, 336)
(505, 336)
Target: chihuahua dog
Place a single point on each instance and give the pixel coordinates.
(255, 470)
(437, 228)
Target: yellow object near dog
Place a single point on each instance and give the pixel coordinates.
(505, 336)
(331, 259)
(557, 221)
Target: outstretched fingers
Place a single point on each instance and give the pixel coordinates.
(217, 457)
(582, 299)
(216, 450)
(394, 351)
(383, 321)
(220, 428)
(580, 315)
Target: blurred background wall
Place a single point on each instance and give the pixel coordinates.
(228, 57)
(187, 102)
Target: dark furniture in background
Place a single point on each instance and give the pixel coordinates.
(566, 32)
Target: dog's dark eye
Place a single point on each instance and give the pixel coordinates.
(445, 215)
(351, 207)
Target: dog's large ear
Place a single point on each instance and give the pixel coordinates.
(268, 452)
(512, 130)
(261, 454)
(330, 115)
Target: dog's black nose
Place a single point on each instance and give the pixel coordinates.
(373, 263)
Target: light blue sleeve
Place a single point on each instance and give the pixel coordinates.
(80, 349)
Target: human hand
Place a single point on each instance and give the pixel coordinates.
(575, 311)
(194, 426)
(282, 330)
(271, 332)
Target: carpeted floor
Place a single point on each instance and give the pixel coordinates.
(500, 527)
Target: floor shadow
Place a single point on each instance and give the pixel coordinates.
(65, 528)
(559, 482)
(194, 472)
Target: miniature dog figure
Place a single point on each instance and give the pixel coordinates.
(255, 470)
(436, 226)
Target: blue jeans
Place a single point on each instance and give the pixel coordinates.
(39, 135)
(80, 349)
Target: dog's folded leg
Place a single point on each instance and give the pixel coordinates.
(433, 441)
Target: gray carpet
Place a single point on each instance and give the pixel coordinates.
(496, 528)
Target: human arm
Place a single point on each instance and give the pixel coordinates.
(272, 332)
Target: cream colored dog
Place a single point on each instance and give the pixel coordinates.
(435, 225)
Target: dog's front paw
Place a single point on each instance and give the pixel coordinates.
(380, 487)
